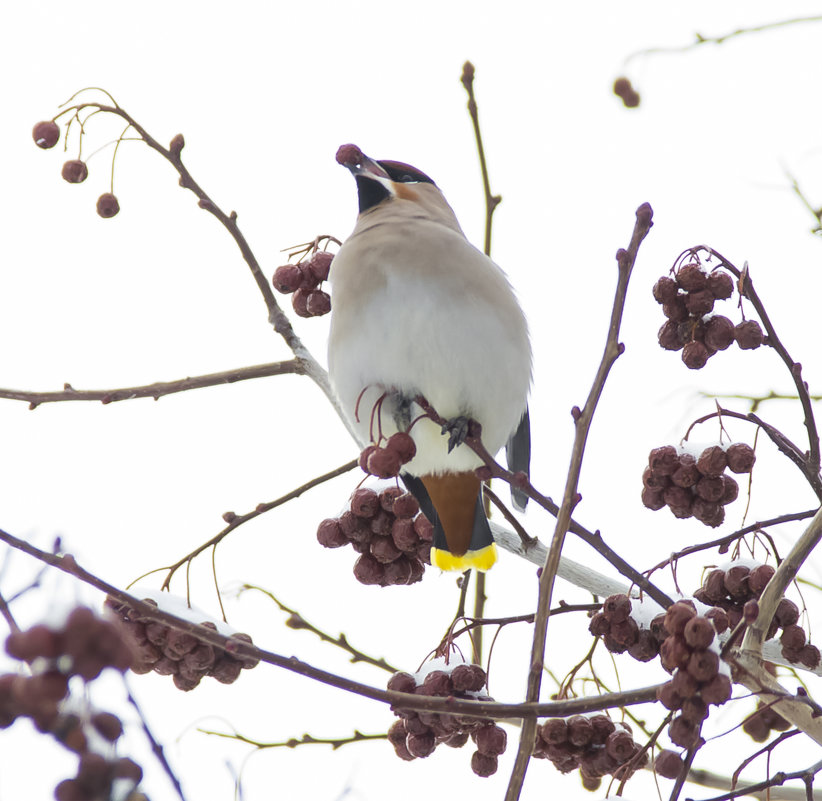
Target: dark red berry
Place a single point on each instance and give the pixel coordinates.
(299, 302)
(483, 765)
(384, 463)
(677, 616)
(318, 303)
(717, 690)
(319, 265)
(700, 302)
(46, 134)
(665, 290)
(759, 578)
(698, 632)
(107, 205)
(330, 534)
(721, 285)
(668, 336)
(719, 333)
(695, 355)
(365, 502)
(403, 445)
(75, 171)
(682, 732)
(741, 457)
(468, 678)
(668, 764)
(287, 278)
(749, 335)
(691, 277)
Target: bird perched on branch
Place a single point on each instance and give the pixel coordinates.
(418, 311)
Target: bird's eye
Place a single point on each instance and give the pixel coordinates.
(407, 178)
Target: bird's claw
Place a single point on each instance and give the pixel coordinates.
(457, 430)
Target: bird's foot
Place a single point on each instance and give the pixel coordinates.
(457, 429)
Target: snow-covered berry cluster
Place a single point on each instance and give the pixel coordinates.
(83, 646)
(687, 301)
(389, 532)
(180, 654)
(620, 631)
(695, 486)
(738, 585)
(46, 134)
(596, 745)
(689, 653)
(417, 733)
(302, 281)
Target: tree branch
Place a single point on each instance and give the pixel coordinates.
(583, 420)
(156, 390)
(481, 709)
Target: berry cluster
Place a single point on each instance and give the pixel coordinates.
(759, 725)
(389, 532)
(624, 90)
(46, 134)
(695, 486)
(687, 301)
(596, 745)
(172, 652)
(96, 778)
(302, 282)
(696, 683)
(736, 589)
(417, 734)
(620, 632)
(84, 647)
(385, 461)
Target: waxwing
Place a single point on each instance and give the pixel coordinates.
(418, 310)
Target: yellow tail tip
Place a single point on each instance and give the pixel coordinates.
(483, 559)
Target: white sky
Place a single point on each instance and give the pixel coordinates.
(264, 94)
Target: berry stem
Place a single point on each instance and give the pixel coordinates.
(812, 460)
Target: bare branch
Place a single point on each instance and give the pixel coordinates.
(583, 420)
(297, 621)
(722, 38)
(480, 709)
(156, 390)
(293, 742)
(235, 521)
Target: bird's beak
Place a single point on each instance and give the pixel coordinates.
(360, 165)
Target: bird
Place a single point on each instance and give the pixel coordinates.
(417, 310)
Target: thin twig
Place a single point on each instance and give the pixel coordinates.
(756, 400)
(297, 621)
(235, 521)
(306, 739)
(778, 779)
(156, 748)
(722, 38)
(723, 542)
(156, 390)
(491, 200)
(583, 419)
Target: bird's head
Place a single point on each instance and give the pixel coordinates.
(380, 182)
